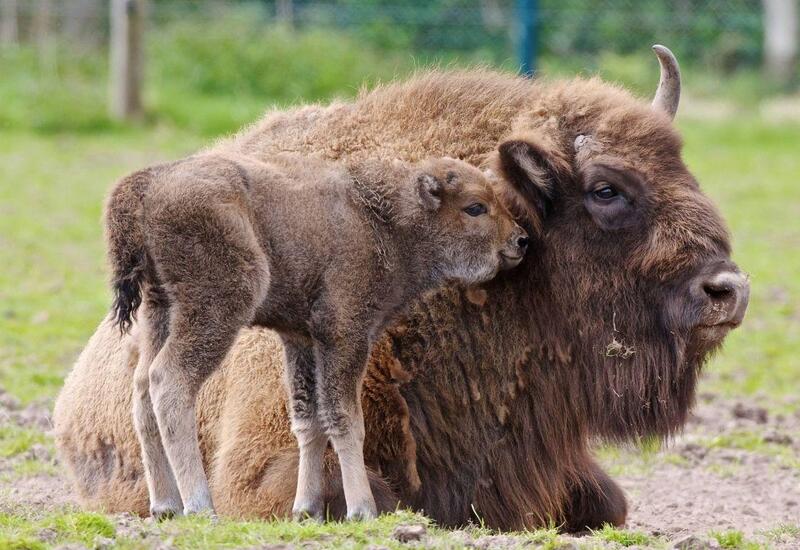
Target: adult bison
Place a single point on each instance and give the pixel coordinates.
(479, 401)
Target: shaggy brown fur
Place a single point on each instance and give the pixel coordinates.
(480, 402)
(325, 256)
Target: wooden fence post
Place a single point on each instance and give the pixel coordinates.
(781, 39)
(126, 59)
(9, 22)
(285, 12)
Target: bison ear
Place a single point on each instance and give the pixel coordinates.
(430, 192)
(532, 170)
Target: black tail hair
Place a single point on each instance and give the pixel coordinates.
(126, 246)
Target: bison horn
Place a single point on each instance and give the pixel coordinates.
(668, 93)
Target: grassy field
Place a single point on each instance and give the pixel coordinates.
(53, 292)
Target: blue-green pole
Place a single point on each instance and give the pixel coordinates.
(527, 16)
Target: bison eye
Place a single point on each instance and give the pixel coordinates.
(476, 209)
(605, 193)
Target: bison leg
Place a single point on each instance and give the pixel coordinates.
(597, 501)
(339, 376)
(311, 438)
(215, 274)
(165, 499)
(198, 342)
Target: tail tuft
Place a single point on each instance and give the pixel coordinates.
(127, 299)
(126, 246)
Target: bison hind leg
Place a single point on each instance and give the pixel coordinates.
(280, 477)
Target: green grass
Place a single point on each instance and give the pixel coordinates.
(23, 530)
(19, 531)
(15, 440)
(735, 540)
(784, 530)
(622, 537)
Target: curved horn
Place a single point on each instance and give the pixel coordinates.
(668, 93)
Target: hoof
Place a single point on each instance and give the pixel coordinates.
(302, 513)
(164, 511)
(362, 512)
(201, 510)
(200, 504)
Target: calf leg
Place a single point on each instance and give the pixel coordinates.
(165, 499)
(215, 273)
(339, 379)
(194, 349)
(311, 438)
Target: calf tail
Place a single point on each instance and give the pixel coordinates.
(126, 246)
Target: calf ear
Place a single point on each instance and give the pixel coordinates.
(430, 192)
(532, 170)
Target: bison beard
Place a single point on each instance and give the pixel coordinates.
(474, 403)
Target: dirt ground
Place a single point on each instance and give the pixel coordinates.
(736, 467)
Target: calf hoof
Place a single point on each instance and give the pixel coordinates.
(305, 512)
(201, 508)
(160, 512)
(361, 512)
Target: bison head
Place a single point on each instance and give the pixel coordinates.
(631, 277)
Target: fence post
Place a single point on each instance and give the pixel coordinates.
(285, 12)
(780, 39)
(9, 26)
(126, 59)
(527, 18)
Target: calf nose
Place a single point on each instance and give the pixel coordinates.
(518, 242)
(728, 293)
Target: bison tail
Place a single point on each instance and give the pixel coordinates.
(126, 246)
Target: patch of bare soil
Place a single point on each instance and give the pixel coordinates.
(37, 486)
(736, 467)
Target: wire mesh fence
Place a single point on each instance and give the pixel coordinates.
(212, 65)
(725, 33)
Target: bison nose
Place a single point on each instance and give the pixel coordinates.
(522, 242)
(728, 293)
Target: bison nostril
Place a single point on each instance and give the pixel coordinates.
(718, 292)
(522, 242)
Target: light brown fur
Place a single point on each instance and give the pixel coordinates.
(479, 402)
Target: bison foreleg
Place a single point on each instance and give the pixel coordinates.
(596, 501)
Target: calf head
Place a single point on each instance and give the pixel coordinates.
(468, 228)
(634, 284)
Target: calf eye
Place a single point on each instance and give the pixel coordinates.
(476, 209)
(604, 192)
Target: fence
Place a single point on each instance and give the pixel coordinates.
(719, 36)
(730, 31)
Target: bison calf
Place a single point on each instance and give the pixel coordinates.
(322, 254)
